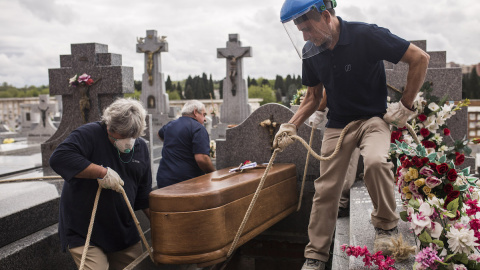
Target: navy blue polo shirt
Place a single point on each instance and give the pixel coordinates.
(353, 72)
(114, 228)
(182, 139)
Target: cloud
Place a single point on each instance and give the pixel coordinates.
(49, 10)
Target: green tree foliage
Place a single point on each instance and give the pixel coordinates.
(168, 84)
(135, 95)
(137, 85)
(9, 91)
(173, 95)
(280, 85)
(264, 91)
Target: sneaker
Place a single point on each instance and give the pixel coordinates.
(383, 240)
(343, 212)
(312, 264)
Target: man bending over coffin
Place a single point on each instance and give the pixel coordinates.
(186, 146)
(347, 59)
(108, 153)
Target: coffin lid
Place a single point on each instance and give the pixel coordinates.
(202, 192)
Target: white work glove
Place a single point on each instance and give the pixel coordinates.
(317, 118)
(282, 138)
(397, 114)
(111, 181)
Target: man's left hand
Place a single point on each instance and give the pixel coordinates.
(397, 114)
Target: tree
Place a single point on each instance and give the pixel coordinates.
(280, 85)
(168, 84)
(264, 91)
(137, 85)
(189, 92)
(473, 85)
(179, 90)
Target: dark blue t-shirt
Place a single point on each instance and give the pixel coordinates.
(114, 228)
(182, 139)
(353, 72)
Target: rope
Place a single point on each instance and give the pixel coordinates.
(305, 170)
(90, 227)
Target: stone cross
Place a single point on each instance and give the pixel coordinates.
(154, 94)
(44, 108)
(86, 104)
(235, 106)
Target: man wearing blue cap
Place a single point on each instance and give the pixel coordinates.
(347, 59)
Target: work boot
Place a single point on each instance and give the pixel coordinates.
(312, 264)
(383, 240)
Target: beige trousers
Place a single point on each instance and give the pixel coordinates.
(96, 259)
(349, 178)
(372, 136)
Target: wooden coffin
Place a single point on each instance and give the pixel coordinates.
(195, 221)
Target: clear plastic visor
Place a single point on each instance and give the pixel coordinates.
(309, 34)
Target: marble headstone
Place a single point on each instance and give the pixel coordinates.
(45, 128)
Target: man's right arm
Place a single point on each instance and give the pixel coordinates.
(309, 105)
(204, 162)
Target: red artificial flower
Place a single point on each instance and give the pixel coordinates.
(417, 162)
(442, 168)
(433, 166)
(402, 158)
(448, 188)
(459, 159)
(395, 136)
(425, 160)
(429, 144)
(407, 163)
(452, 175)
(89, 82)
(424, 132)
(422, 117)
(453, 195)
(446, 131)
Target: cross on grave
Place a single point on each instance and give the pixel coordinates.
(235, 107)
(154, 94)
(45, 128)
(234, 54)
(44, 108)
(112, 80)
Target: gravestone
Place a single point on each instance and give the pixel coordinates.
(85, 104)
(154, 94)
(45, 128)
(235, 107)
(282, 245)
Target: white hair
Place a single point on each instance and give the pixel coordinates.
(192, 105)
(126, 117)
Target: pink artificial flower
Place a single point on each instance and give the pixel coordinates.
(472, 207)
(426, 171)
(83, 78)
(432, 181)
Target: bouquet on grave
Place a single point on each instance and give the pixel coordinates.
(298, 97)
(442, 208)
(81, 80)
(429, 123)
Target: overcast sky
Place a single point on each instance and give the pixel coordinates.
(33, 33)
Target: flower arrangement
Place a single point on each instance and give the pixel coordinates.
(81, 80)
(441, 201)
(429, 123)
(298, 97)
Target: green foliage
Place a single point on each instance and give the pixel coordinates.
(471, 85)
(135, 95)
(173, 95)
(9, 91)
(265, 92)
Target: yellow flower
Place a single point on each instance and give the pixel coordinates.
(408, 196)
(405, 189)
(431, 196)
(407, 178)
(427, 190)
(420, 182)
(413, 173)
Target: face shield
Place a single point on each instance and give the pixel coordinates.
(309, 33)
(305, 26)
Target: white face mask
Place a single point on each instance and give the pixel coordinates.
(124, 145)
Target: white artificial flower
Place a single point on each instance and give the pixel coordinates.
(420, 125)
(435, 230)
(476, 195)
(461, 240)
(443, 148)
(408, 139)
(438, 138)
(430, 150)
(420, 137)
(459, 267)
(433, 106)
